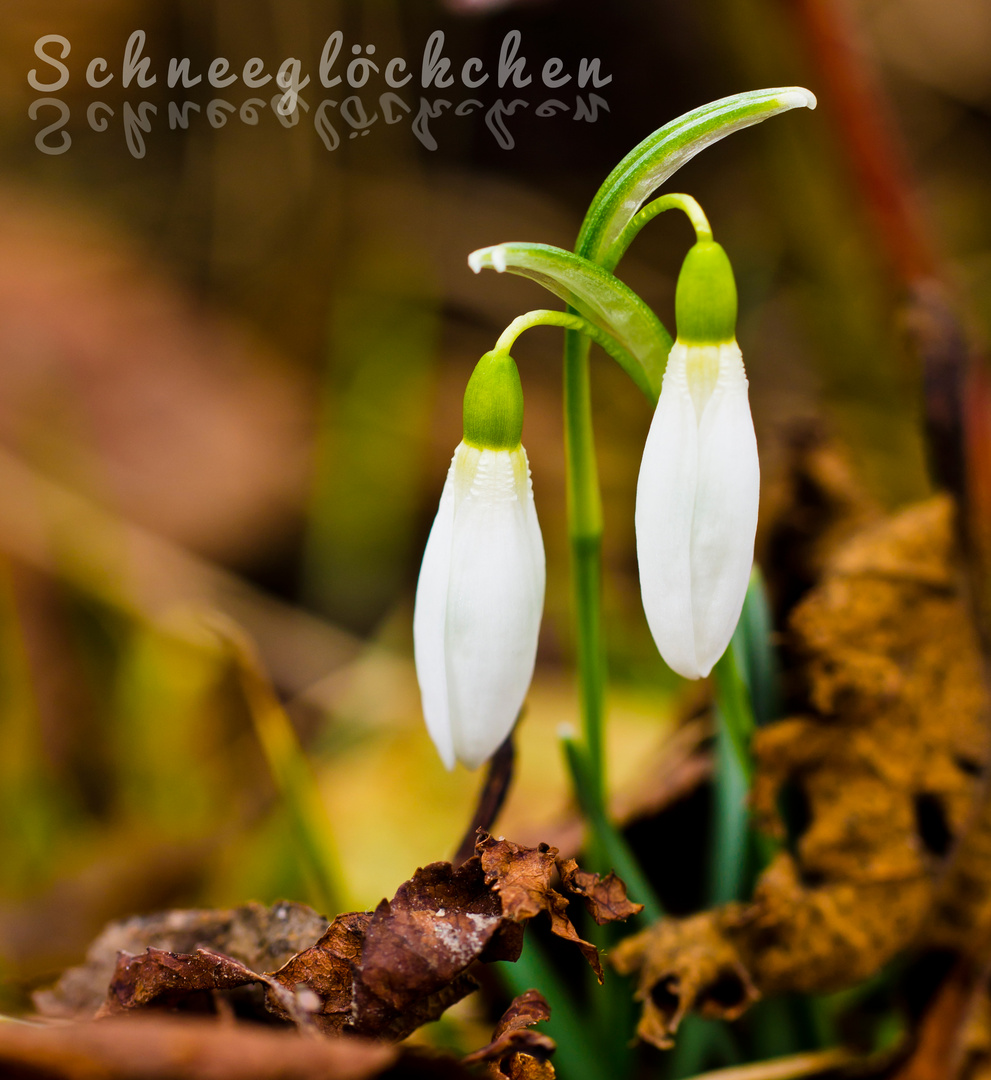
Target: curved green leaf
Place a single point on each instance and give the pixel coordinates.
(648, 165)
(597, 295)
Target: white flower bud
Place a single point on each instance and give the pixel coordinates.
(696, 513)
(699, 485)
(480, 595)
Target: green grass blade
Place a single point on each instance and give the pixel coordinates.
(758, 660)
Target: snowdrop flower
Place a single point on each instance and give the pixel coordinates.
(481, 589)
(697, 495)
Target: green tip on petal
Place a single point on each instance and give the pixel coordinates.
(493, 410)
(705, 299)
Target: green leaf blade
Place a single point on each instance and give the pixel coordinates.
(661, 154)
(596, 295)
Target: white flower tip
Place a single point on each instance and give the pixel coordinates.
(495, 257)
(566, 731)
(685, 671)
(797, 97)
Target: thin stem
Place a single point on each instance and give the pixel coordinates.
(585, 537)
(498, 780)
(735, 777)
(548, 317)
(685, 203)
(733, 704)
(728, 861)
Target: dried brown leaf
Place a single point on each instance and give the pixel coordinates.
(159, 1047)
(887, 763)
(418, 946)
(605, 898)
(262, 938)
(684, 964)
(160, 978)
(515, 1050)
(326, 971)
(823, 937)
(380, 974)
(524, 1011)
(521, 877)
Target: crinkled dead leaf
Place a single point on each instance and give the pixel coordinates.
(418, 946)
(326, 970)
(823, 937)
(159, 978)
(521, 877)
(684, 964)
(516, 1050)
(605, 898)
(380, 974)
(884, 771)
(262, 938)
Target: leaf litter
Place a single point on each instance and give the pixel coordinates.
(373, 976)
(885, 765)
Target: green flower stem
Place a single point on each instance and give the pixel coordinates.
(757, 661)
(584, 530)
(585, 537)
(568, 320)
(730, 847)
(733, 704)
(685, 203)
(735, 716)
(608, 839)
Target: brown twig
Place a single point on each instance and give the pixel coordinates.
(785, 1068)
(878, 162)
(938, 1050)
(869, 139)
(490, 798)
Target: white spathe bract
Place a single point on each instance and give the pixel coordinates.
(478, 604)
(696, 513)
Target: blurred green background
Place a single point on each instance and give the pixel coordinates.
(230, 380)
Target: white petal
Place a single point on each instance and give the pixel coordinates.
(664, 512)
(478, 604)
(429, 615)
(495, 599)
(726, 504)
(697, 501)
